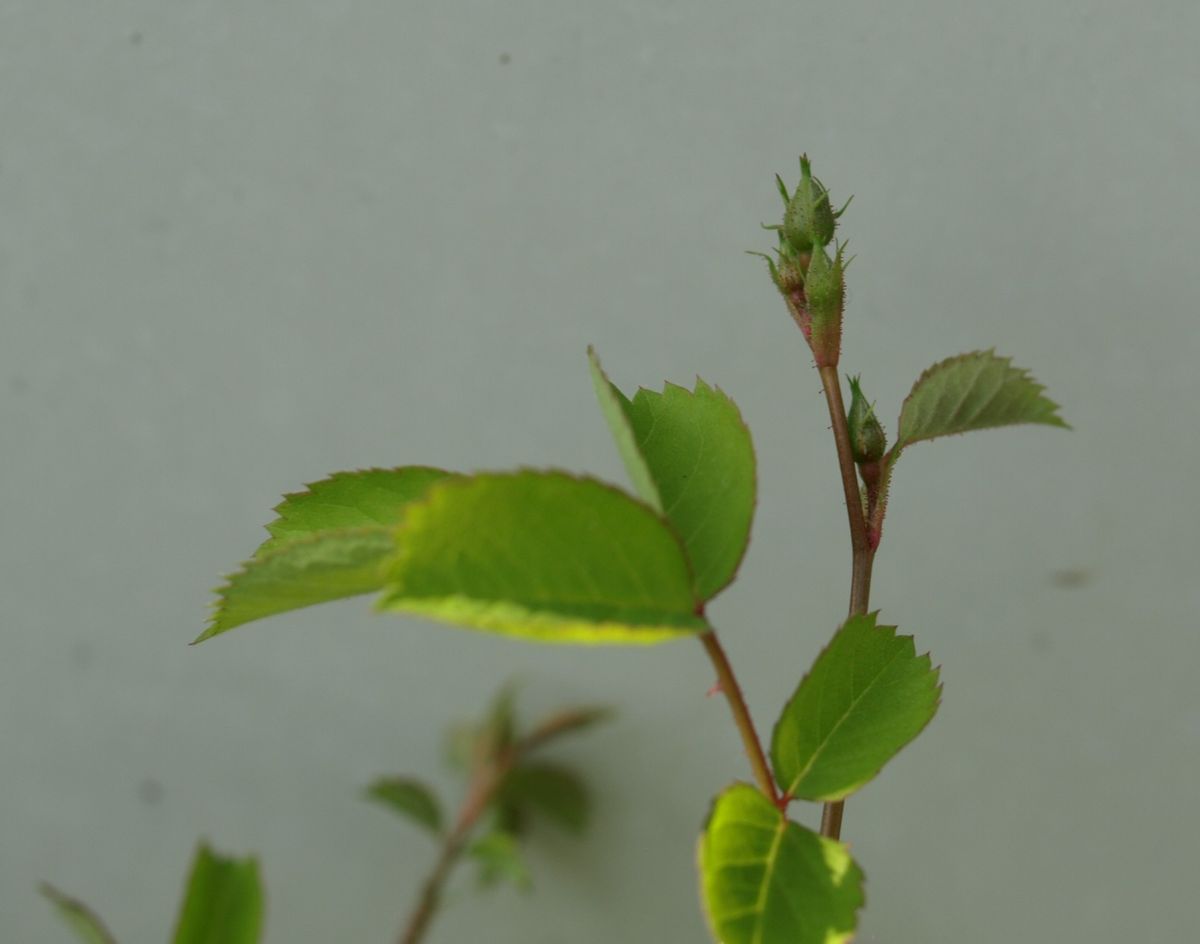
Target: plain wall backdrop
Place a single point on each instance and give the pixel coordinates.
(243, 245)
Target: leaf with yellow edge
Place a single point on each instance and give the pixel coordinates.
(767, 880)
(543, 556)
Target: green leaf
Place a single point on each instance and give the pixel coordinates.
(470, 744)
(616, 408)
(323, 566)
(409, 798)
(348, 500)
(867, 695)
(224, 901)
(498, 856)
(553, 791)
(499, 726)
(766, 880)
(973, 391)
(326, 543)
(566, 722)
(544, 556)
(79, 917)
(690, 456)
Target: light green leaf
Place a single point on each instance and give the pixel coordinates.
(766, 880)
(223, 903)
(498, 855)
(79, 917)
(972, 391)
(327, 543)
(348, 500)
(553, 791)
(409, 798)
(544, 556)
(323, 566)
(867, 695)
(690, 456)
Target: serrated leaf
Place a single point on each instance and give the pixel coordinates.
(348, 500)
(553, 791)
(543, 556)
(326, 543)
(766, 880)
(409, 798)
(223, 902)
(79, 917)
(867, 695)
(616, 406)
(973, 391)
(317, 568)
(689, 455)
(498, 856)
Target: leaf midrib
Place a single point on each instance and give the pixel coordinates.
(824, 742)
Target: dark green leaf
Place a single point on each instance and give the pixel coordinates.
(544, 556)
(79, 917)
(766, 880)
(972, 391)
(690, 456)
(553, 791)
(224, 901)
(348, 500)
(498, 856)
(326, 565)
(409, 798)
(867, 695)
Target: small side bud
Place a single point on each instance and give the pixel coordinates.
(809, 219)
(786, 267)
(868, 441)
(825, 292)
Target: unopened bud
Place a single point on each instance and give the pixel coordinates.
(809, 219)
(787, 270)
(867, 438)
(825, 297)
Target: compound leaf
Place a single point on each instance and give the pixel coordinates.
(867, 695)
(690, 456)
(979, 390)
(223, 903)
(766, 880)
(544, 556)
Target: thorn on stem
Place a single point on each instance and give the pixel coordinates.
(715, 690)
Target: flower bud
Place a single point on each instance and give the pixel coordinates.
(867, 438)
(825, 296)
(787, 271)
(809, 218)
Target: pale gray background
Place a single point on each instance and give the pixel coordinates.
(245, 244)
